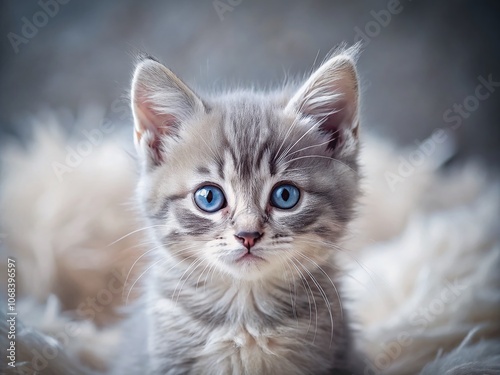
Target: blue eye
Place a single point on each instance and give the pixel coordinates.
(209, 198)
(285, 196)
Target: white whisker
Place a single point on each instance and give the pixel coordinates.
(133, 265)
(325, 298)
(135, 231)
(196, 264)
(302, 276)
(331, 281)
(142, 274)
(321, 157)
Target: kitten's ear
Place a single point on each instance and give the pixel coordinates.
(160, 102)
(330, 98)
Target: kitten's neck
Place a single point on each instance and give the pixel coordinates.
(216, 298)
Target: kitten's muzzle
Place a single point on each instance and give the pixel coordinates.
(248, 239)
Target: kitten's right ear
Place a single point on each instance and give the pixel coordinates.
(160, 102)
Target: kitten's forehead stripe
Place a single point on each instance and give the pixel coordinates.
(220, 168)
(244, 130)
(203, 170)
(265, 147)
(229, 149)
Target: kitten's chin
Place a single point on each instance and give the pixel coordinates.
(248, 267)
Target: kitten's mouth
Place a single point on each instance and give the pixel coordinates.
(248, 257)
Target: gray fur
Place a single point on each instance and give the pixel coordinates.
(206, 313)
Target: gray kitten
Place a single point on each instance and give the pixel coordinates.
(247, 195)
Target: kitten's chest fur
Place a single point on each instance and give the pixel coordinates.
(275, 328)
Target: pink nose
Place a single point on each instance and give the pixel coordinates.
(248, 239)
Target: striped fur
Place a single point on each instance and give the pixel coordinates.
(207, 313)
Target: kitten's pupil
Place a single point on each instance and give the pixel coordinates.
(286, 194)
(210, 196)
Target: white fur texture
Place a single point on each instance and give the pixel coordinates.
(62, 232)
(431, 244)
(425, 272)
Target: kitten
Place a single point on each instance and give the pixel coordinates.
(247, 195)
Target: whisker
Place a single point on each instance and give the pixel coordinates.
(346, 252)
(141, 256)
(331, 281)
(285, 153)
(164, 259)
(302, 276)
(197, 263)
(133, 265)
(301, 169)
(287, 134)
(325, 298)
(210, 270)
(308, 147)
(293, 296)
(135, 231)
(321, 157)
(142, 274)
(201, 274)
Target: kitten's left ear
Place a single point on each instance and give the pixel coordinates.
(160, 103)
(330, 98)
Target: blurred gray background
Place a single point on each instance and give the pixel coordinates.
(416, 65)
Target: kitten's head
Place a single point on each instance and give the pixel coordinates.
(249, 184)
